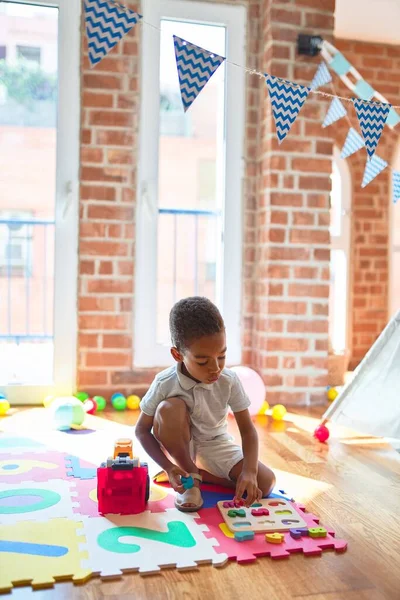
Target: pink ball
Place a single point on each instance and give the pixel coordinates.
(321, 433)
(253, 386)
(90, 406)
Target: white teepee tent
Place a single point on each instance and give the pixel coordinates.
(370, 402)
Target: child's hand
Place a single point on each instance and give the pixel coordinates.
(247, 482)
(174, 475)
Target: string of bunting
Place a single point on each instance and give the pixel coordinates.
(107, 22)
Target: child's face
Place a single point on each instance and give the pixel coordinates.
(205, 358)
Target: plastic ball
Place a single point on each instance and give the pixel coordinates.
(264, 408)
(132, 402)
(67, 413)
(90, 406)
(278, 412)
(4, 407)
(116, 395)
(321, 433)
(2, 397)
(119, 402)
(254, 387)
(332, 394)
(82, 396)
(101, 402)
(48, 400)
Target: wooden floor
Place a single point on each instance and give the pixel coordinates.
(352, 483)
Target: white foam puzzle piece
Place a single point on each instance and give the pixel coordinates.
(282, 516)
(37, 501)
(174, 539)
(13, 443)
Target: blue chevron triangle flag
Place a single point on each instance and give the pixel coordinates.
(374, 166)
(286, 99)
(353, 143)
(335, 112)
(321, 77)
(396, 185)
(372, 118)
(195, 68)
(106, 24)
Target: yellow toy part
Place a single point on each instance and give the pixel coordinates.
(4, 407)
(264, 408)
(332, 394)
(278, 412)
(48, 400)
(41, 553)
(132, 402)
(274, 538)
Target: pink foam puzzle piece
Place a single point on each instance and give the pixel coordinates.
(249, 551)
(40, 467)
(86, 497)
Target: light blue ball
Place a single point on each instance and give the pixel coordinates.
(67, 413)
(2, 397)
(116, 395)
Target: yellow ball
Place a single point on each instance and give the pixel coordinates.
(264, 408)
(332, 394)
(47, 401)
(278, 412)
(4, 407)
(132, 402)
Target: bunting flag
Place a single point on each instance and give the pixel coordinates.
(321, 77)
(335, 112)
(396, 185)
(287, 100)
(372, 117)
(106, 24)
(195, 67)
(374, 166)
(353, 143)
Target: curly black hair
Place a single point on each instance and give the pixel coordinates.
(193, 318)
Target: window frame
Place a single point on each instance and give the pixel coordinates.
(66, 211)
(147, 352)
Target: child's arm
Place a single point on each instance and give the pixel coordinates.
(247, 480)
(153, 449)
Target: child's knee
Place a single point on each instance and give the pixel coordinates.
(171, 416)
(266, 479)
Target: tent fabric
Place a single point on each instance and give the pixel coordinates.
(370, 402)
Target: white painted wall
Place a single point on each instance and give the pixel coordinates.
(368, 20)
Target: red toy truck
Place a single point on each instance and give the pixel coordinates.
(123, 483)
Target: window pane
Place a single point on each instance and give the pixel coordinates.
(191, 170)
(28, 91)
(336, 202)
(338, 300)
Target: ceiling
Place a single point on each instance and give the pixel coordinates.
(368, 20)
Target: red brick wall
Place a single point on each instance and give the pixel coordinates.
(286, 213)
(379, 64)
(291, 270)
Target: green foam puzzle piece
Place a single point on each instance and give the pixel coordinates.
(177, 535)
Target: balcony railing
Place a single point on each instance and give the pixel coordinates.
(26, 280)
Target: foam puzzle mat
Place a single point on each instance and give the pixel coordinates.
(49, 517)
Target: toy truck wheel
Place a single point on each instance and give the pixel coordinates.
(147, 488)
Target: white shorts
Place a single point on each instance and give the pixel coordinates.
(217, 456)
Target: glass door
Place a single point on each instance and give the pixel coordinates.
(39, 157)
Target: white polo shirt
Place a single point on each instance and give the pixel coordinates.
(208, 404)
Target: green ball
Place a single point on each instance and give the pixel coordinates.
(100, 401)
(119, 403)
(82, 396)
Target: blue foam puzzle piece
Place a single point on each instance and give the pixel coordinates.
(19, 442)
(187, 482)
(210, 498)
(75, 470)
(243, 536)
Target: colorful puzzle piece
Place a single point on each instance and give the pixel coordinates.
(238, 512)
(317, 532)
(244, 536)
(246, 553)
(187, 482)
(75, 469)
(274, 538)
(20, 467)
(39, 553)
(260, 512)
